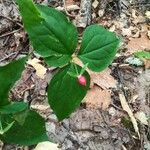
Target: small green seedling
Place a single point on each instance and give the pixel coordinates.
(142, 54)
(55, 39)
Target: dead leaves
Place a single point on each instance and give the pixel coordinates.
(141, 116)
(40, 70)
(139, 43)
(98, 98)
(47, 146)
(103, 79)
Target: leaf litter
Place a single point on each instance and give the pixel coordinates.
(90, 127)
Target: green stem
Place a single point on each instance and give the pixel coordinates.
(76, 69)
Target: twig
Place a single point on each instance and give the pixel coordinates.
(8, 56)
(9, 33)
(14, 21)
(117, 107)
(126, 107)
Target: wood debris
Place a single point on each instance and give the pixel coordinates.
(126, 107)
(84, 17)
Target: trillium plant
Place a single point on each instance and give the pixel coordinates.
(55, 39)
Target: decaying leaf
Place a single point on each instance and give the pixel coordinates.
(47, 146)
(40, 70)
(147, 14)
(103, 79)
(95, 3)
(141, 116)
(98, 98)
(137, 17)
(141, 43)
(127, 32)
(147, 63)
(126, 107)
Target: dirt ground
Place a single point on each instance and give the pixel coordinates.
(115, 113)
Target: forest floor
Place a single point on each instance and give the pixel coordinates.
(115, 114)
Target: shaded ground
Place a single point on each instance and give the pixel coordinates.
(104, 125)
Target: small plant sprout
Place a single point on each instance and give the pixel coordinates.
(55, 39)
(57, 43)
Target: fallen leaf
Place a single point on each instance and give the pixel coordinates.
(126, 107)
(103, 79)
(40, 70)
(147, 14)
(95, 3)
(147, 63)
(126, 32)
(47, 146)
(69, 8)
(112, 28)
(142, 117)
(138, 17)
(136, 44)
(69, 2)
(98, 98)
(148, 34)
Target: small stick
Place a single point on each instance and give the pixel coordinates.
(7, 56)
(9, 33)
(14, 21)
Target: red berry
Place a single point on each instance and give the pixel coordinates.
(82, 80)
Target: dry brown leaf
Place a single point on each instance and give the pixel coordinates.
(147, 63)
(103, 79)
(98, 98)
(127, 32)
(126, 107)
(138, 17)
(47, 146)
(69, 2)
(138, 43)
(40, 70)
(148, 34)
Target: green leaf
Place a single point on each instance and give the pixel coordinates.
(142, 55)
(65, 93)
(2, 131)
(6, 122)
(9, 74)
(58, 60)
(13, 108)
(20, 117)
(31, 132)
(52, 35)
(98, 47)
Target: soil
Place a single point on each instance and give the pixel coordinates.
(91, 127)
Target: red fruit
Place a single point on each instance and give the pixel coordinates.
(82, 80)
